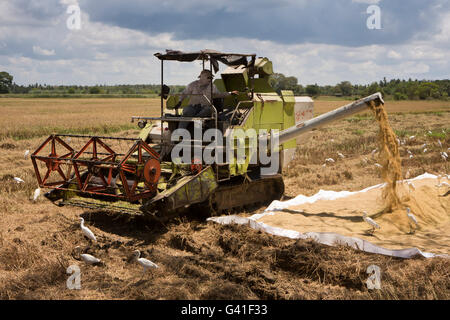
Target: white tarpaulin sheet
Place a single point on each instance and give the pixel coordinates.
(327, 238)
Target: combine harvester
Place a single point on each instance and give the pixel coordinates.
(141, 176)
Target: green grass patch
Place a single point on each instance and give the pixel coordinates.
(438, 133)
(358, 132)
(403, 133)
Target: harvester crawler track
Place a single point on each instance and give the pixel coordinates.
(231, 197)
(250, 193)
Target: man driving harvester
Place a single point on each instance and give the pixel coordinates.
(199, 106)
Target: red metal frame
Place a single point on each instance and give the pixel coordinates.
(88, 165)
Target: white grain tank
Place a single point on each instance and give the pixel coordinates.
(303, 110)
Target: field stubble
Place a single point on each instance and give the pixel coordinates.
(201, 260)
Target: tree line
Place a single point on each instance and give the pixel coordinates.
(395, 88)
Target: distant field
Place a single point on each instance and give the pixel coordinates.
(409, 106)
(28, 118)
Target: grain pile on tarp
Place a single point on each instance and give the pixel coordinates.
(332, 218)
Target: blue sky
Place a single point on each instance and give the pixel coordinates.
(320, 41)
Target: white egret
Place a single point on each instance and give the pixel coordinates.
(18, 180)
(87, 258)
(26, 154)
(409, 152)
(423, 146)
(412, 219)
(37, 193)
(411, 137)
(411, 186)
(429, 132)
(425, 150)
(329, 160)
(370, 221)
(373, 152)
(408, 174)
(87, 233)
(439, 143)
(341, 155)
(147, 264)
(378, 165)
(411, 156)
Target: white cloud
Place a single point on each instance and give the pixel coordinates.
(43, 52)
(103, 54)
(367, 1)
(394, 55)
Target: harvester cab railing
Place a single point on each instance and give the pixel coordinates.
(229, 59)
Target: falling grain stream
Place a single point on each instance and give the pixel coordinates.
(389, 158)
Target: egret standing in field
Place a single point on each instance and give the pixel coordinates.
(371, 222)
(147, 264)
(341, 155)
(26, 154)
(37, 193)
(412, 219)
(87, 232)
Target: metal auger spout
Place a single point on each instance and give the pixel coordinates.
(325, 118)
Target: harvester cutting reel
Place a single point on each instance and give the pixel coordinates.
(96, 169)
